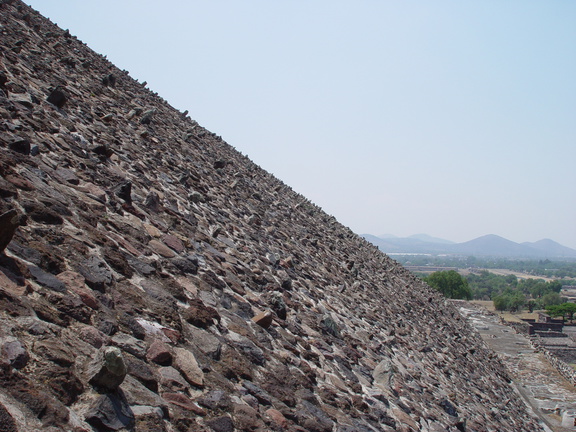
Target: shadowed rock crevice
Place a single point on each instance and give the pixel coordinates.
(155, 279)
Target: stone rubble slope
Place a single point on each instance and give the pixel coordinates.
(155, 279)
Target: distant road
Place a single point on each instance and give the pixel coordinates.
(465, 272)
(429, 269)
(506, 272)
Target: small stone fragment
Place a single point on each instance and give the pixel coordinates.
(108, 369)
(57, 97)
(264, 319)
(96, 273)
(159, 353)
(6, 420)
(186, 363)
(21, 145)
(173, 243)
(277, 417)
(147, 116)
(383, 374)
(153, 203)
(184, 401)
(110, 412)
(9, 222)
(67, 176)
(124, 191)
(14, 352)
(161, 249)
(109, 80)
(221, 424)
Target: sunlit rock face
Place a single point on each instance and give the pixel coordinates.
(155, 279)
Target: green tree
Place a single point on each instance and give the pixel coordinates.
(565, 310)
(501, 302)
(450, 283)
(511, 301)
(551, 299)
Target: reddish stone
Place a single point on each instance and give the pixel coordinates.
(161, 249)
(93, 336)
(124, 243)
(173, 242)
(200, 315)
(93, 190)
(75, 282)
(72, 280)
(264, 319)
(277, 417)
(173, 335)
(20, 182)
(159, 353)
(14, 288)
(183, 401)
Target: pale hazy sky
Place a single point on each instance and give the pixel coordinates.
(447, 117)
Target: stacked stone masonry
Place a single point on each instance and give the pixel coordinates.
(152, 278)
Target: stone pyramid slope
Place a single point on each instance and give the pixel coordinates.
(155, 279)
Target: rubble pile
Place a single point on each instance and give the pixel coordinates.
(152, 278)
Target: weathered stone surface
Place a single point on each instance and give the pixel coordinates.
(107, 370)
(277, 418)
(7, 423)
(247, 418)
(66, 175)
(171, 380)
(200, 315)
(142, 371)
(186, 363)
(383, 374)
(161, 249)
(20, 145)
(93, 336)
(221, 424)
(184, 401)
(124, 191)
(129, 344)
(96, 274)
(55, 351)
(63, 383)
(46, 279)
(137, 393)
(13, 352)
(264, 319)
(159, 353)
(110, 412)
(215, 399)
(173, 243)
(9, 222)
(57, 97)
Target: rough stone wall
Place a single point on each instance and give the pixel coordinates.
(559, 358)
(155, 279)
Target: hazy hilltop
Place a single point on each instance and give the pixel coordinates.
(488, 245)
(153, 279)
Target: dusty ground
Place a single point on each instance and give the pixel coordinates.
(519, 275)
(508, 316)
(551, 397)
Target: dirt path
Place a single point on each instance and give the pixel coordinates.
(550, 396)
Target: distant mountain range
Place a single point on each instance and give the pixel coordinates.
(488, 245)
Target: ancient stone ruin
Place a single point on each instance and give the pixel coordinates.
(152, 278)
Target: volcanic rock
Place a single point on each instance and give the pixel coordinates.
(108, 369)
